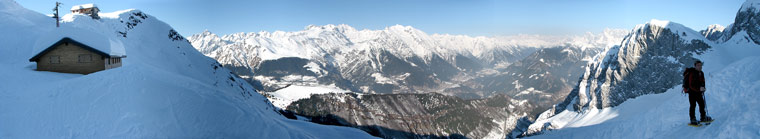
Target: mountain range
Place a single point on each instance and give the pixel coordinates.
(397, 82)
(646, 61)
(289, 66)
(398, 59)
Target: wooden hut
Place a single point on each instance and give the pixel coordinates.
(78, 53)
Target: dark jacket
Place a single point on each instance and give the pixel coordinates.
(696, 80)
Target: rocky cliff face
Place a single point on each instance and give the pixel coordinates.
(713, 32)
(416, 115)
(747, 21)
(649, 60)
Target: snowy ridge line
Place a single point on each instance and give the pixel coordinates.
(686, 34)
(392, 56)
(316, 41)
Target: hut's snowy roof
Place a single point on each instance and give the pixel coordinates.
(102, 44)
(83, 6)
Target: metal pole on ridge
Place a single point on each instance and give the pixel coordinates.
(57, 18)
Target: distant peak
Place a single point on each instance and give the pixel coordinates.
(206, 32)
(403, 29)
(400, 27)
(661, 23)
(664, 24)
(339, 27)
(716, 27)
(310, 27)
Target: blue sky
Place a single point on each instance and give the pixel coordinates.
(462, 17)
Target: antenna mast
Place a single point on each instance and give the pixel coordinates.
(57, 18)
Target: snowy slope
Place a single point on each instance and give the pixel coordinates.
(730, 66)
(732, 83)
(165, 89)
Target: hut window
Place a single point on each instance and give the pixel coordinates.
(85, 58)
(55, 59)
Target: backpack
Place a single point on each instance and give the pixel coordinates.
(686, 82)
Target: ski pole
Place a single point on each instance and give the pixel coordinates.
(705, 99)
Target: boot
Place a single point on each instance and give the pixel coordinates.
(707, 119)
(694, 122)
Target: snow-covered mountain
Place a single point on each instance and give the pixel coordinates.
(633, 90)
(713, 32)
(536, 70)
(535, 82)
(165, 88)
(397, 59)
(647, 61)
(732, 83)
(746, 24)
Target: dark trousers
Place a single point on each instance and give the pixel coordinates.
(697, 98)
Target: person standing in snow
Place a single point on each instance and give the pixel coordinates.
(695, 87)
